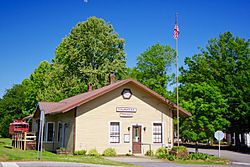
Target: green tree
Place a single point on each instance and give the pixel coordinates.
(88, 54)
(57, 86)
(34, 85)
(225, 64)
(152, 68)
(11, 107)
(208, 108)
(91, 52)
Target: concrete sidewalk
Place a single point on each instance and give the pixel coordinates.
(132, 159)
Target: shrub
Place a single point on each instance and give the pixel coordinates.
(149, 153)
(61, 149)
(161, 153)
(179, 152)
(224, 143)
(80, 152)
(180, 148)
(199, 156)
(109, 152)
(94, 153)
(171, 157)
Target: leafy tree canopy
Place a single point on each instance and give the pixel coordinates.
(35, 85)
(91, 52)
(224, 65)
(88, 54)
(208, 108)
(11, 107)
(152, 68)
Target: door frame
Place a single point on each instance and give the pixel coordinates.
(131, 134)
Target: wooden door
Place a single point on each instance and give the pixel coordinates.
(136, 140)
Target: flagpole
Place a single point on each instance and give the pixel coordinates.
(177, 91)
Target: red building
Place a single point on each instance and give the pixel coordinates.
(18, 126)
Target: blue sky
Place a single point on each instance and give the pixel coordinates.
(31, 30)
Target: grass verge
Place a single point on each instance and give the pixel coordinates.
(204, 162)
(8, 154)
(184, 157)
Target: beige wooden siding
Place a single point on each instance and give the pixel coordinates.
(93, 120)
(67, 118)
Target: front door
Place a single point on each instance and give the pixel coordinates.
(136, 140)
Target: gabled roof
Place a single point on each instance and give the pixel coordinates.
(72, 102)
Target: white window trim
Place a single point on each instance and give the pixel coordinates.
(46, 135)
(162, 133)
(120, 129)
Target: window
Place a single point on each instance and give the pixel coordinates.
(114, 132)
(157, 132)
(50, 131)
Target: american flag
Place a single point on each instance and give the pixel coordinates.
(176, 31)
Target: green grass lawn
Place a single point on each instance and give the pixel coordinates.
(14, 154)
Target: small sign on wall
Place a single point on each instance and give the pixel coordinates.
(126, 115)
(126, 138)
(126, 109)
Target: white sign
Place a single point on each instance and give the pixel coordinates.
(126, 138)
(125, 109)
(219, 135)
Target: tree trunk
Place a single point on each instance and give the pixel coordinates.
(237, 141)
(196, 146)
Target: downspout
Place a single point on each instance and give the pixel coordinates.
(172, 128)
(74, 135)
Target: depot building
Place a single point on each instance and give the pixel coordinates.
(125, 115)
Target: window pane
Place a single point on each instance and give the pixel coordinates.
(50, 131)
(114, 132)
(157, 133)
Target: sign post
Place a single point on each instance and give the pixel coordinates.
(40, 139)
(219, 135)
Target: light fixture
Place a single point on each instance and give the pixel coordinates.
(144, 128)
(128, 128)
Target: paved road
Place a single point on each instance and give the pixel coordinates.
(235, 157)
(183, 165)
